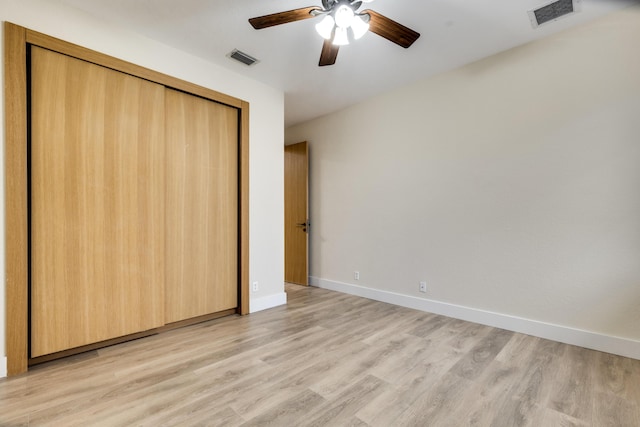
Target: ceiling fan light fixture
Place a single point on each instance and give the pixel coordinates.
(341, 38)
(344, 16)
(359, 27)
(341, 22)
(325, 27)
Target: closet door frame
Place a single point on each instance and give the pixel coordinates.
(17, 40)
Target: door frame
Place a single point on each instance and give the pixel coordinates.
(16, 42)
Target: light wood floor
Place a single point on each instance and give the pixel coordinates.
(329, 359)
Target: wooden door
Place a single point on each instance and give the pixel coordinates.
(296, 215)
(202, 206)
(97, 203)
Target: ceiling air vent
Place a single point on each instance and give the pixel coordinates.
(242, 57)
(553, 11)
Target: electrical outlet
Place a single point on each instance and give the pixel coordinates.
(255, 287)
(423, 286)
(356, 275)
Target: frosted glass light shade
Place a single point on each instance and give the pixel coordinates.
(359, 27)
(325, 27)
(341, 38)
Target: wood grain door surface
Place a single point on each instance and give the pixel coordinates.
(202, 206)
(97, 203)
(296, 215)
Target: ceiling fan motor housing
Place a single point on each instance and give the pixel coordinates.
(331, 6)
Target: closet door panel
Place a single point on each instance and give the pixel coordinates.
(97, 203)
(202, 206)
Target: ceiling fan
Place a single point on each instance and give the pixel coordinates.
(341, 19)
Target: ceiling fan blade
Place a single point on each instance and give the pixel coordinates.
(266, 21)
(391, 30)
(329, 53)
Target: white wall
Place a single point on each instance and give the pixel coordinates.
(511, 185)
(266, 128)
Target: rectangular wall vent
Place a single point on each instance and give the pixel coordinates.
(242, 57)
(553, 11)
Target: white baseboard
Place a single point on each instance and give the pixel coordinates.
(270, 301)
(3, 367)
(608, 344)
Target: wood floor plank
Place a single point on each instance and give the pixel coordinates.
(420, 380)
(334, 360)
(41, 398)
(355, 422)
(206, 418)
(198, 413)
(478, 405)
(554, 418)
(519, 410)
(435, 406)
(397, 320)
(414, 351)
(463, 335)
(575, 384)
(16, 422)
(518, 350)
(611, 410)
(482, 354)
(289, 412)
(427, 325)
(350, 370)
(343, 408)
(618, 375)
(529, 392)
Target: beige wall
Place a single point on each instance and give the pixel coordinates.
(511, 185)
(266, 129)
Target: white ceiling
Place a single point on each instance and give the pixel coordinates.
(453, 33)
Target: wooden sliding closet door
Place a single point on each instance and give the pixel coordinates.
(97, 203)
(202, 206)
